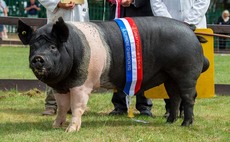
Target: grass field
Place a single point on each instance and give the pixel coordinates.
(222, 72)
(14, 65)
(21, 121)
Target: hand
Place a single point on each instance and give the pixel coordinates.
(126, 3)
(70, 5)
(33, 6)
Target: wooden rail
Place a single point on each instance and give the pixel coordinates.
(42, 21)
(221, 29)
(30, 21)
(38, 22)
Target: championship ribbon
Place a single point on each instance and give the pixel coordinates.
(133, 58)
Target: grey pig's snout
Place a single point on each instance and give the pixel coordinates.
(37, 61)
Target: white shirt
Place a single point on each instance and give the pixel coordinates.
(2, 7)
(78, 13)
(189, 11)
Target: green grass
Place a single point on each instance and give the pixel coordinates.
(222, 71)
(21, 121)
(14, 65)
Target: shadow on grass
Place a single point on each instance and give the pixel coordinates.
(20, 127)
(92, 120)
(46, 126)
(20, 111)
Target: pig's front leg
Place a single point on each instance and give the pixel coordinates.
(78, 100)
(63, 104)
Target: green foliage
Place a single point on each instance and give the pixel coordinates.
(21, 120)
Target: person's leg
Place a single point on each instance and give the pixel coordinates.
(119, 102)
(5, 36)
(50, 103)
(1, 31)
(143, 104)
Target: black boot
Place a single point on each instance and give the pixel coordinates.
(143, 104)
(119, 102)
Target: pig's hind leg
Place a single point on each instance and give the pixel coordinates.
(188, 94)
(174, 95)
(63, 104)
(186, 78)
(188, 97)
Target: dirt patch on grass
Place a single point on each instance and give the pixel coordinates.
(32, 93)
(2, 97)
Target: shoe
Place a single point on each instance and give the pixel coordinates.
(49, 111)
(146, 113)
(118, 111)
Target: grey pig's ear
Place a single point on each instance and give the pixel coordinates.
(60, 30)
(24, 32)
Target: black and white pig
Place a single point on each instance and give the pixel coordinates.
(74, 58)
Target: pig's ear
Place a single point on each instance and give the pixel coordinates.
(60, 30)
(24, 32)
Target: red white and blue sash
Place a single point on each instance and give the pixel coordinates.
(118, 9)
(133, 55)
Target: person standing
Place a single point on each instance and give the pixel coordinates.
(188, 11)
(3, 13)
(223, 20)
(69, 12)
(131, 8)
(32, 9)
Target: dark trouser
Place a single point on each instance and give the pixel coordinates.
(167, 105)
(142, 103)
(50, 101)
(1, 30)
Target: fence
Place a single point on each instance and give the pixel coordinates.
(221, 29)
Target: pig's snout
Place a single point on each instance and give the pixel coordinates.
(38, 62)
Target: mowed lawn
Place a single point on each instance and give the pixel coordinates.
(21, 120)
(14, 63)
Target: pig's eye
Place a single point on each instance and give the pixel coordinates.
(52, 47)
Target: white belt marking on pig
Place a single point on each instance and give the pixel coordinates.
(99, 54)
